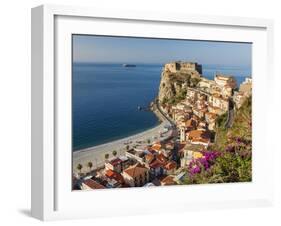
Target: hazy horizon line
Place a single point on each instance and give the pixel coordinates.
(157, 63)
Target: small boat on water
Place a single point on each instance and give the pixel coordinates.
(129, 65)
(141, 108)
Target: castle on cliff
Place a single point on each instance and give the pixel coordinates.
(185, 67)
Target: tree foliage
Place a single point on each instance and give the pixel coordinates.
(79, 167)
(194, 81)
(114, 153)
(90, 165)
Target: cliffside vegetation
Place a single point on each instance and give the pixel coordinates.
(173, 86)
(178, 97)
(242, 126)
(230, 158)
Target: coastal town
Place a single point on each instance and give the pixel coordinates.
(189, 107)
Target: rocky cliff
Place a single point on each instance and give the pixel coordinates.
(173, 84)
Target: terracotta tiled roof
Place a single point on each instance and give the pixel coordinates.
(93, 184)
(190, 123)
(115, 161)
(161, 158)
(169, 180)
(109, 173)
(201, 140)
(171, 165)
(211, 114)
(135, 170)
(149, 157)
(114, 175)
(198, 134)
(156, 163)
(156, 146)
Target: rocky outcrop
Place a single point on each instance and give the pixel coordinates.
(173, 82)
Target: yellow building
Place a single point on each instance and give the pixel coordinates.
(197, 155)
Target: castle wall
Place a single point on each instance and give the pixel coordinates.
(183, 66)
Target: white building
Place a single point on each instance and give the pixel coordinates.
(223, 80)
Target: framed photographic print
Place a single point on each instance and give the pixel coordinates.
(130, 109)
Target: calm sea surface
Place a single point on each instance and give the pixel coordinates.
(106, 98)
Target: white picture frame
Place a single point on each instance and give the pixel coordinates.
(51, 196)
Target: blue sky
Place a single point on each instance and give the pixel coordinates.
(105, 49)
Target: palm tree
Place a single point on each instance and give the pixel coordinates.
(79, 167)
(114, 153)
(90, 165)
(106, 156)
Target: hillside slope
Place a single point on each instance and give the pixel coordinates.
(230, 158)
(172, 88)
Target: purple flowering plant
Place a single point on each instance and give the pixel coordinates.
(202, 164)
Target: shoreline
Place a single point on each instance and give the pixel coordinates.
(117, 139)
(96, 154)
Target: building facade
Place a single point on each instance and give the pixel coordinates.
(136, 175)
(179, 66)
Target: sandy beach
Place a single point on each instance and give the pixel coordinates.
(96, 154)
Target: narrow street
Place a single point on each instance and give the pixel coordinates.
(175, 132)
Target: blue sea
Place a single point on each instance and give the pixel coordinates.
(106, 99)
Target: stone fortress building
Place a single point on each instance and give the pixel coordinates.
(180, 66)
